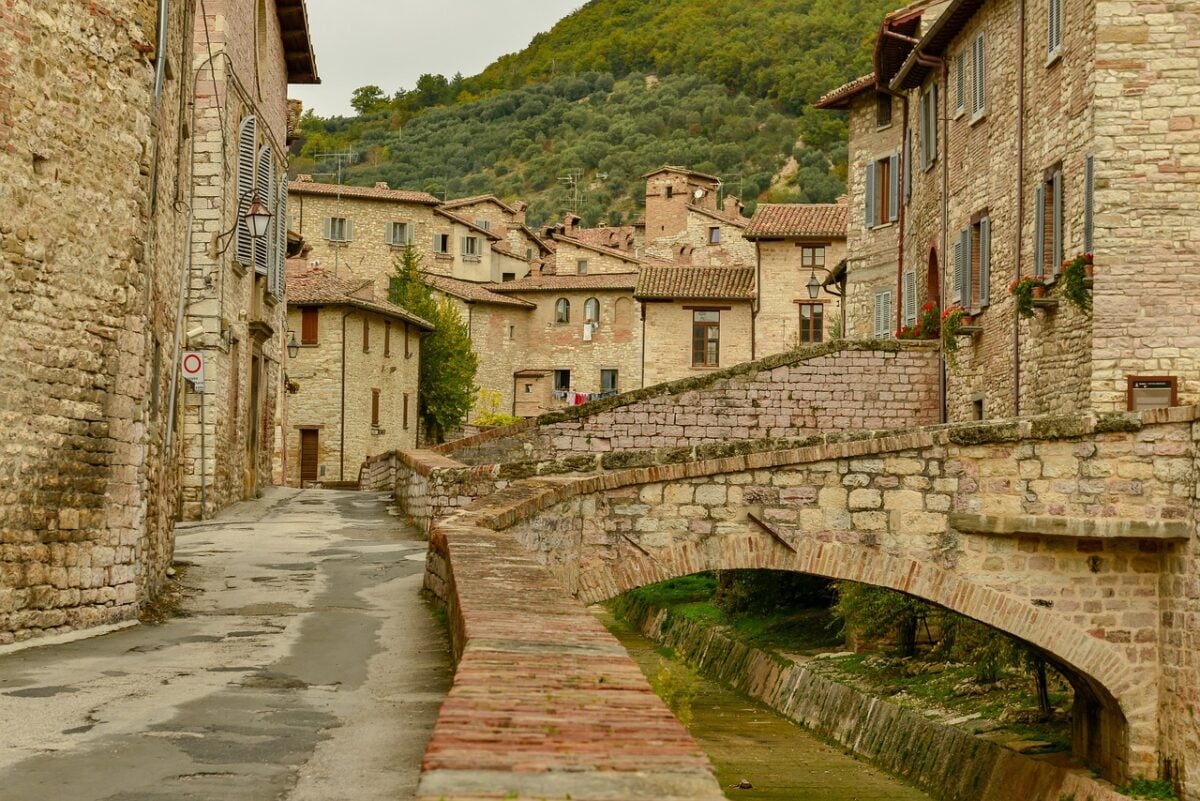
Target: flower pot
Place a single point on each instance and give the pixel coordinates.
(966, 321)
(1038, 291)
(1087, 269)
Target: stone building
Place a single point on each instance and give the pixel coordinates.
(246, 52)
(796, 246)
(688, 223)
(353, 385)
(92, 249)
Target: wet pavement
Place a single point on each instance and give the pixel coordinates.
(305, 666)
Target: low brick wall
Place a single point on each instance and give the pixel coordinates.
(837, 386)
(948, 763)
(378, 473)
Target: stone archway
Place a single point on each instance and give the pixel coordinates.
(933, 280)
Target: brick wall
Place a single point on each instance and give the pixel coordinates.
(90, 266)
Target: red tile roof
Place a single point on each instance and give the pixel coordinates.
(606, 237)
(840, 97)
(476, 200)
(605, 251)
(739, 222)
(313, 286)
(554, 283)
(363, 192)
(684, 170)
(469, 224)
(471, 292)
(789, 220)
(708, 283)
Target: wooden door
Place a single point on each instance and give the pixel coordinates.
(309, 455)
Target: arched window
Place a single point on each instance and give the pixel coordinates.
(623, 314)
(562, 311)
(591, 311)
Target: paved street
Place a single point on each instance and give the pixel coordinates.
(305, 666)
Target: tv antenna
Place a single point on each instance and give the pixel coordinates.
(343, 159)
(572, 180)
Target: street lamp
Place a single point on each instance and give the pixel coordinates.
(258, 218)
(814, 286)
(293, 347)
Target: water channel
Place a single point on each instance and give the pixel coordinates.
(746, 740)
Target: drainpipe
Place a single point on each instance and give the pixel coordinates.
(943, 134)
(643, 346)
(342, 436)
(1020, 216)
(900, 199)
(756, 305)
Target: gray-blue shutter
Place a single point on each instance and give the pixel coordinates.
(968, 289)
(870, 203)
(958, 271)
(985, 261)
(894, 187)
(908, 164)
(264, 191)
(923, 127)
(1039, 231)
(281, 229)
(1089, 204)
(933, 123)
(1058, 223)
(243, 251)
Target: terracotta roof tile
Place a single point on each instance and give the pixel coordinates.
(839, 97)
(363, 192)
(477, 199)
(471, 292)
(313, 286)
(709, 283)
(720, 216)
(551, 283)
(468, 223)
(606, 237)
(787, 220)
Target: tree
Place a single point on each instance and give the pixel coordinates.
(874, 612)
(367, 99)
(446, 391)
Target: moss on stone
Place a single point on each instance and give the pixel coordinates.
(623, 460)
(514, 471)
(1118, 422)
(1064, 427)
(985, 433)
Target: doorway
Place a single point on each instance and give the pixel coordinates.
(310, 444)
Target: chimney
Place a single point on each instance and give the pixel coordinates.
(843, 200)
(382, 185)
(570, 223)
(304, 179)
(733, 206)
(520, 207)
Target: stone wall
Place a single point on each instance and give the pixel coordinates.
(668, 337)
(837, 386)
(91, 244)
(948, 763)
(783, 286)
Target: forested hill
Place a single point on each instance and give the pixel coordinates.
(614, 90)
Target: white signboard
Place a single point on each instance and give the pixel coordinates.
(193, 367)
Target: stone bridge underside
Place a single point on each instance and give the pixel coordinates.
(1075, 535)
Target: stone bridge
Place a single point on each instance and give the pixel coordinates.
(1073, 534)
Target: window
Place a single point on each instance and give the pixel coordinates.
(883, 110)
(470, 246)
(960, 82)
(581, 267)
(387, 338)
(978, 79)
(812, 323)
(308, 325)
(670, 192)
(1054, 29)
(714, 235)
(812, 256)
(512, 333)
(883, 314)
(706, 338)
(507, 277)
(562, 380)
(562, 311)
(1048, 224)
(339, 229)
(883, 191)
(608, 381)
(405, 418)
(366, 335)
(484, 224)
(528, 254)
(591, 311)
(928, 126)
(399, 234)
(441, 243)
(529, 389)
(374, 408)
(407, 347)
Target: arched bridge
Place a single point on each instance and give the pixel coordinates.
(1074, 534)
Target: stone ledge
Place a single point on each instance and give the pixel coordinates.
(460, 785)
(1072, 527)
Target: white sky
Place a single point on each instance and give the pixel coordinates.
(393, 42)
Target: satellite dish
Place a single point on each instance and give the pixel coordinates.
(699, 193)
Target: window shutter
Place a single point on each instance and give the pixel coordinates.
(910, 298)
(329, 228)
(958, 271)
(933, 123)
(979, 78)
(1039, 231)
(281, 230)
(985, 261)
(870, 210)
(894, 187)
(923, 127)
(1089, 204)
(908, 164)
(968, 288)
(1057, 255)
(247, 139)
(263, 190)
(878, 314)
(463, 248)
(888, 315)
(349, 230)
(960, 81)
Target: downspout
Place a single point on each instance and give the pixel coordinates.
(901, 200)
(643, 346)
(756, 306)
(943, 122)
(342, 436)
(1020, 216)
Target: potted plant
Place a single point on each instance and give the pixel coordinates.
(1024, 290)
(1075, 273)
(952, 324)
(928, 326)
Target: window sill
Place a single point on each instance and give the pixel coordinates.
(399, 246)
(442, 257)
(703, 369)
(882, 226)
(980, 117)
(338, 243)
(1054, 58)
(472, 259)
(959, 113)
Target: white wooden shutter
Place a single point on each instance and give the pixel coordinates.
(1039, 231)
(968, 280)
(243, 251)
(910, 298)
(879, 315)
(908, 164)
(894, 187)
(1089, 204)
(281, 243)
(958, 271)
(1057, 255)
(264, 191)
(870, 200)
(985, 261)
(888, 315)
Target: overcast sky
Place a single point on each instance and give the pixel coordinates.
(393, 42)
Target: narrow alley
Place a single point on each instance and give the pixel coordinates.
(303, 665)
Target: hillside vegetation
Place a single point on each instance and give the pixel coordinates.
(615, 89)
